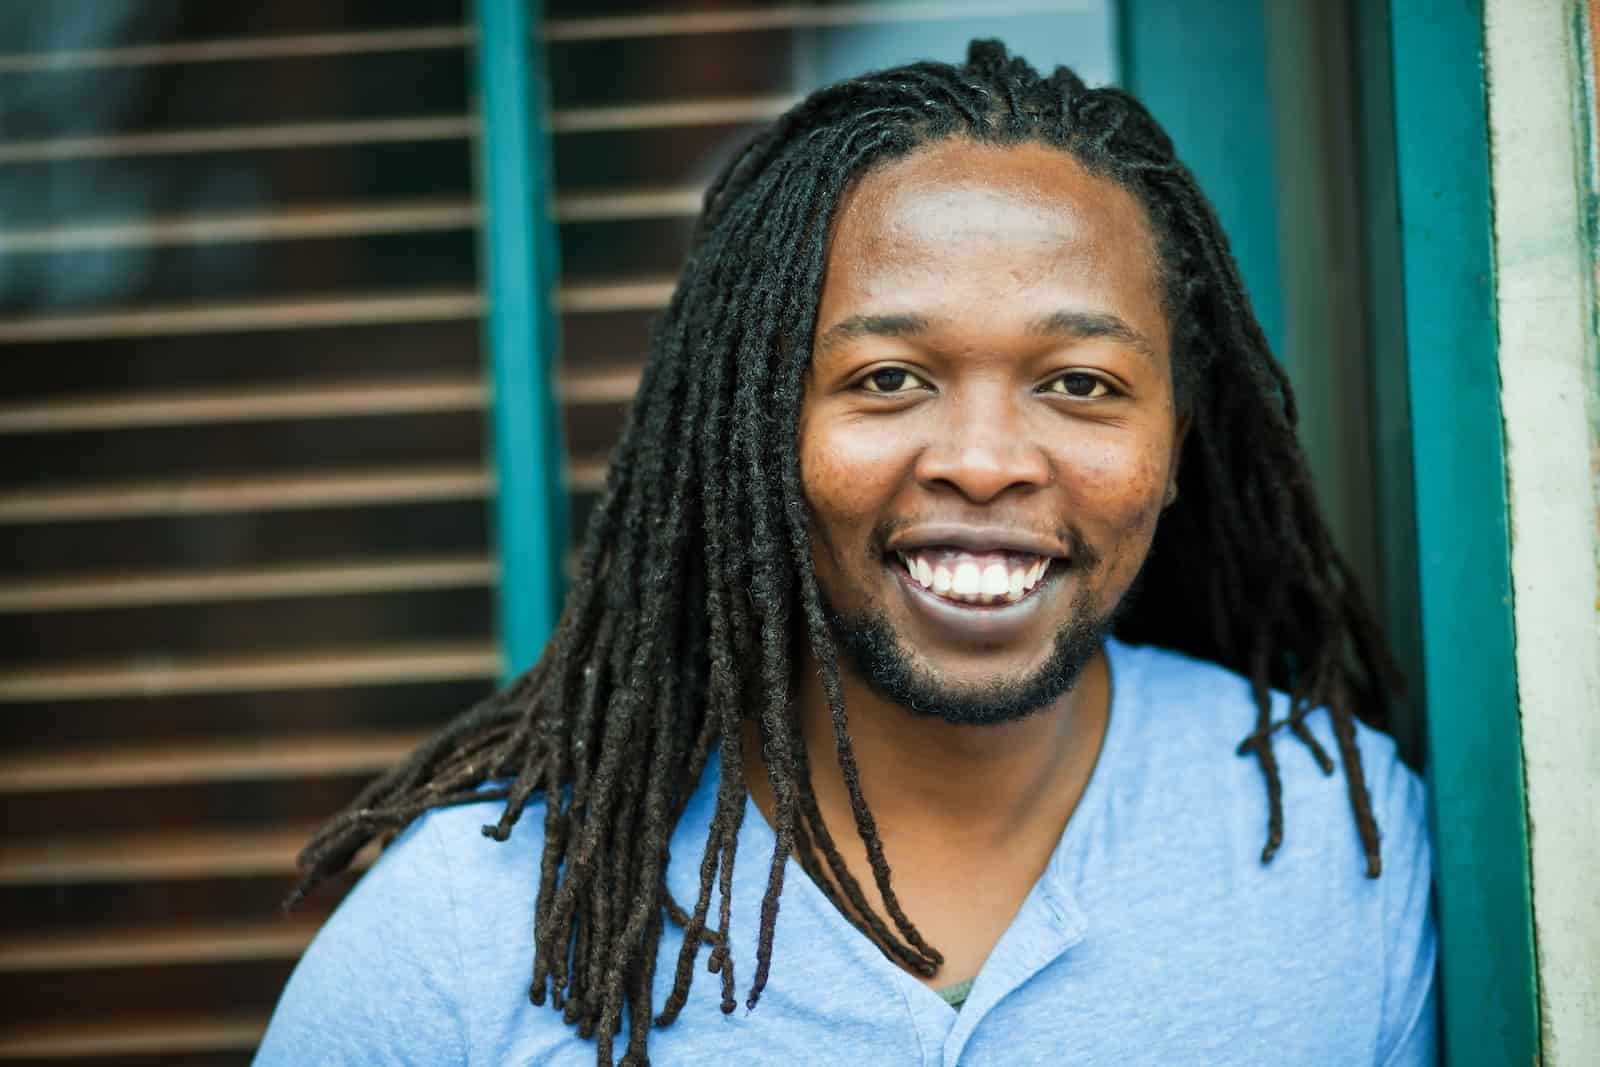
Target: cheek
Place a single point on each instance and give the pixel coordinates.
(1119, 487)
(848, 472)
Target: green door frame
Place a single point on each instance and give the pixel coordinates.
(1475, 766)
(521, 271)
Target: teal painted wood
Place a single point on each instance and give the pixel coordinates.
(520, 272)
(1474, 737)
(1395, 511)
(1200, 66)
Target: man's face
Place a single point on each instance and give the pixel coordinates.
(989, 432)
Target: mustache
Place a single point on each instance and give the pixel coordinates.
(1080, 554)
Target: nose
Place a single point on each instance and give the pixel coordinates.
(982, 448)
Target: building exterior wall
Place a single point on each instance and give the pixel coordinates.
(1540, 116)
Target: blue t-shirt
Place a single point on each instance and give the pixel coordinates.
(1155, 935)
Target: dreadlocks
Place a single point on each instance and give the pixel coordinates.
(696, 585)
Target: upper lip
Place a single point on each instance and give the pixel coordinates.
(975, 539)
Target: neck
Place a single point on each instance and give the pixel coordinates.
(931, 784)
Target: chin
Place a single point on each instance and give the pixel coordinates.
(872, 649)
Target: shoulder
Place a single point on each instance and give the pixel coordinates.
(402, 968)
(1180, 838)
(1184, 719)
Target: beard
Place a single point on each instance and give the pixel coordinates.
(870, 644)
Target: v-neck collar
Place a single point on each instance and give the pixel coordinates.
(1048, 924)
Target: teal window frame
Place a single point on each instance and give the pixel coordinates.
(521, 272)
(1475, 766)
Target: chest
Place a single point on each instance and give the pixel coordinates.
(1139, 981)
(963, 911)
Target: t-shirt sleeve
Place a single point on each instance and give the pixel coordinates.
(379, 982)
(1409, 1035)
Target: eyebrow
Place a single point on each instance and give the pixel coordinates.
(1084, 325)
(1077, 325)
(897, 325)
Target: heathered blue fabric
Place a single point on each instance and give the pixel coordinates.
(1155, 936)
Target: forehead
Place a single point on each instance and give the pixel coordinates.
(963, 231)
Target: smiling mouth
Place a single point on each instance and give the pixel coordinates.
(962, 576)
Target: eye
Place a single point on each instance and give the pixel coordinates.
(891, 380)
(1079, 385)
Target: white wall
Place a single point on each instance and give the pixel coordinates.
(1545, 269)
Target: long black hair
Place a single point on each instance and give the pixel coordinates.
(696, 589)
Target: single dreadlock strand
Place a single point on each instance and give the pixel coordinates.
(644, 979)
(1360, 802)
(841, 886)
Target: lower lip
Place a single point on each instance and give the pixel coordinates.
(975, 623)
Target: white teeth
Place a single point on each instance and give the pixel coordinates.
(996, 580)
(975, 581)
(967, 580)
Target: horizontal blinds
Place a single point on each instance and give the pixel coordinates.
(244, 555)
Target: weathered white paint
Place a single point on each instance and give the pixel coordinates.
(1547, 369)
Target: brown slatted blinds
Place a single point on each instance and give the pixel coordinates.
(244, 556)
(244, 549)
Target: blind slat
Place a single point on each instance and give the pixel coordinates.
(327, 220)
(648, 295)
(171, 1037)
(145, 946)
(280, 47)
(428, 306)
(361, 309)
(156, 856)
(318, 670)
(673, 113)
(794, 16)
(338, 220)
(112, 766)
(237, 138)
(392, 130)
(206, 406)
(337, 400)
(266, 493)
(245, 583)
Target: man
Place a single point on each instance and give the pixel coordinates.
(958, 546)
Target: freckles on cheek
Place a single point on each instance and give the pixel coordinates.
(1123, 486)
(840, 477)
